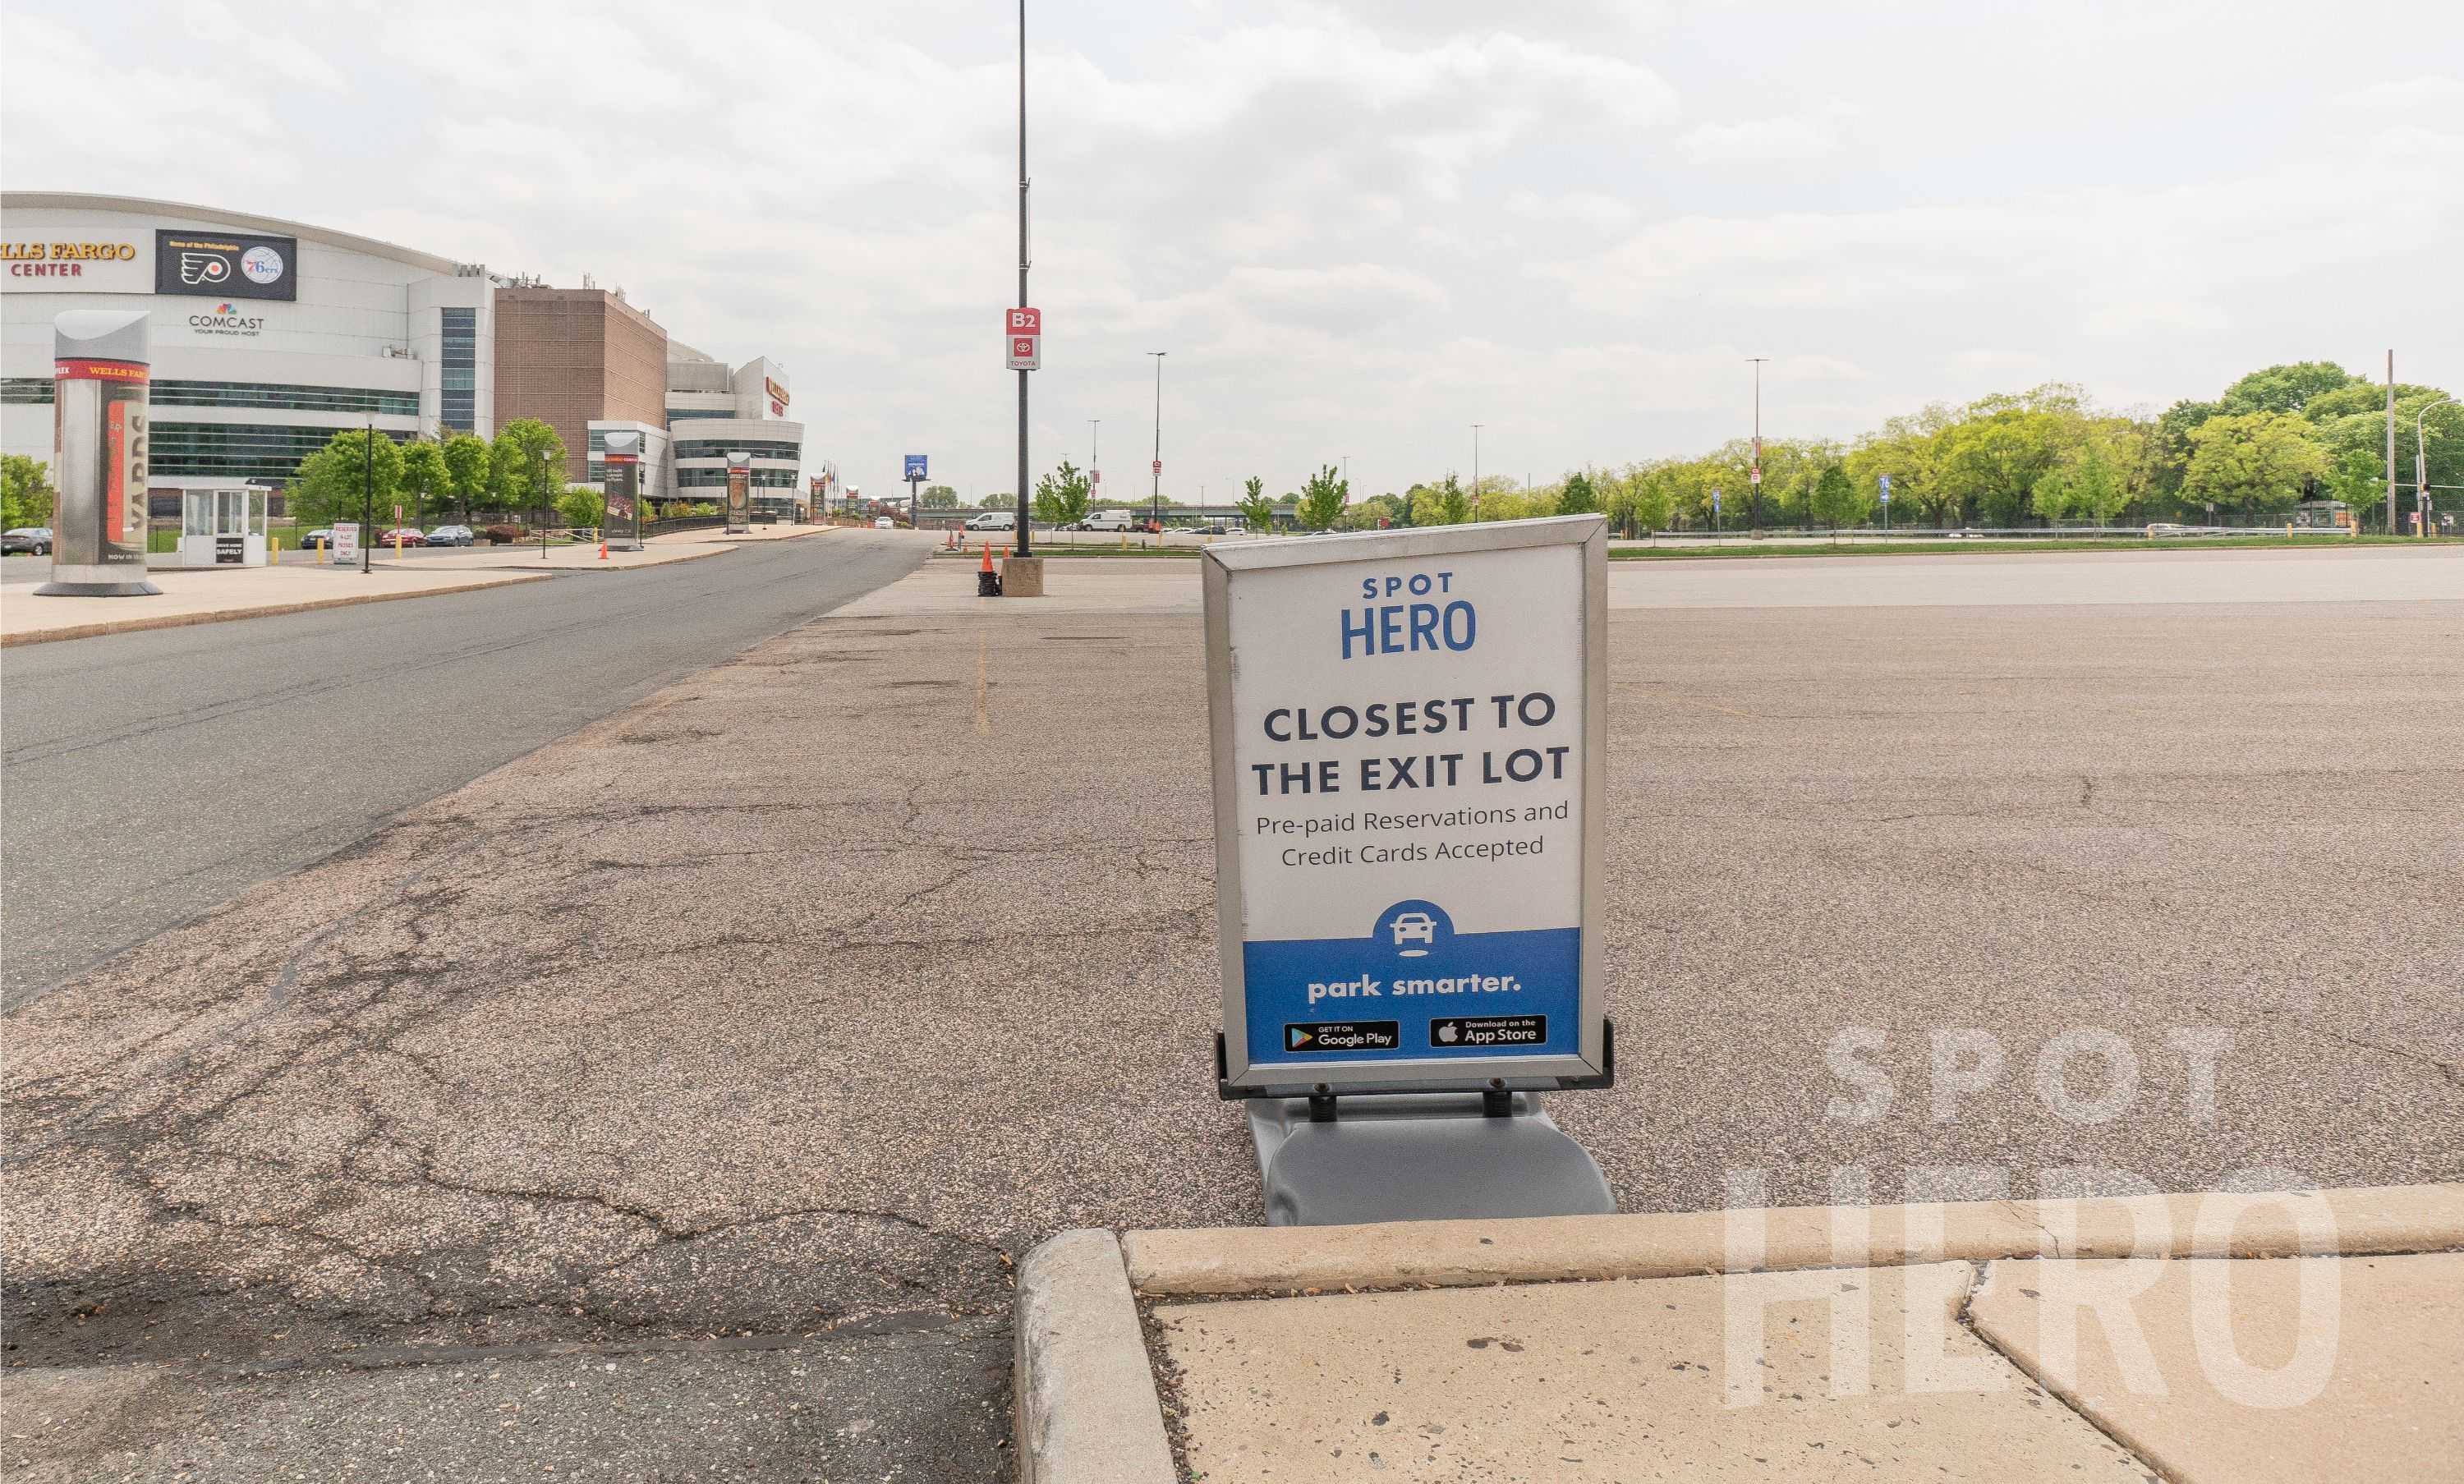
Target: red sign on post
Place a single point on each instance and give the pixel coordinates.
(1024, 329)
(1158, 465)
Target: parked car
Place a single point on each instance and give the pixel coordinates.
(502, 534)
(407, 536)
(994, 521)
(450, 536)
(308, 539)
(883, 523)
(36, 540)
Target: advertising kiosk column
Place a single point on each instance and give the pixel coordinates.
(101, 365)
(739, 492)
(622, 522)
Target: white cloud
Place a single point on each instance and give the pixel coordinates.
(1787, 137)
(1360, 226)
(2427, 91)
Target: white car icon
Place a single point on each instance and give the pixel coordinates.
(1415, 927)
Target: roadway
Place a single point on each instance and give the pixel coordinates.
(675, 1102)
(146, 777)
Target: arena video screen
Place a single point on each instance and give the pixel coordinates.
(226, 265)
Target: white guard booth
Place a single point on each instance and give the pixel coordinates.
(222, 526)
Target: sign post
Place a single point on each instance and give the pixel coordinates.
(916, 465)
(623, 528)
(101, 368)
(1886, 502)
(1408, 766)
(739, 492)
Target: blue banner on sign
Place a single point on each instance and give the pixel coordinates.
(1444, 995)
(915, 467)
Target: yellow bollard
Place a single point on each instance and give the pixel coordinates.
(274, 550)
(321, 550)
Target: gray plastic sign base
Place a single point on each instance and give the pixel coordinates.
(1419, 1157)
(138, 589)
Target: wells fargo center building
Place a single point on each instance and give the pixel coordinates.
(269, 337)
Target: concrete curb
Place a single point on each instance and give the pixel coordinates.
(1458, 1254)
(46, 636)
(1087, 1411)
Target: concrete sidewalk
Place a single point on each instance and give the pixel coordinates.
(208, 595)
(205, 595)
(2238, 1338)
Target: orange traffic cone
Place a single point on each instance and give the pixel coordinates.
(603, 548)
(988, 557)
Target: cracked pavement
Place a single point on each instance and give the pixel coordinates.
(763, 1025)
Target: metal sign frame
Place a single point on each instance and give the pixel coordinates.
(1240, 1070)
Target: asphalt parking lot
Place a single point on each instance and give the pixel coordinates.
(788, 1006)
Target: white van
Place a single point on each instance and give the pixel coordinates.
(994, 521)
(1106, 520)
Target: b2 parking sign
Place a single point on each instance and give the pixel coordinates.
(1408, 766)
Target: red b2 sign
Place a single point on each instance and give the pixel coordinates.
(1024, 321)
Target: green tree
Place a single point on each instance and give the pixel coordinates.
(1373, 513)
(2259, 461)
(2053, 499)
(937, 497)
(581, 505)
(1909, 448)
(2358, 477)
(466, 470)
(526, 465)
(1993, 456)
(1576, 496)
(354, 477)
(1649, 498)
(1257, 512)
(2097, 491)
(1061, 497)
(1323, 497)
(2286, 388)
(26, 492)
(1840, 500)
(426, 481)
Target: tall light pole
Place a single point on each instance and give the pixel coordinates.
(1094, 450)
(1155, 512)
(2390, 445)
(2421, 465)
(1475, 470)
(1347, 479)
(368, 496)
(1754, 483)
(1026, 534)
(542, 494)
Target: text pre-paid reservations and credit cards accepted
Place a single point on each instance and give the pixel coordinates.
(1409, 772)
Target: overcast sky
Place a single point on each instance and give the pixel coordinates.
(1358, 229)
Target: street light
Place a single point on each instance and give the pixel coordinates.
(1475, 470)
(1755, 484)
(543, 488)
(1154, 512)
(368, 504)
(2421, 465)
(1025, 527)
